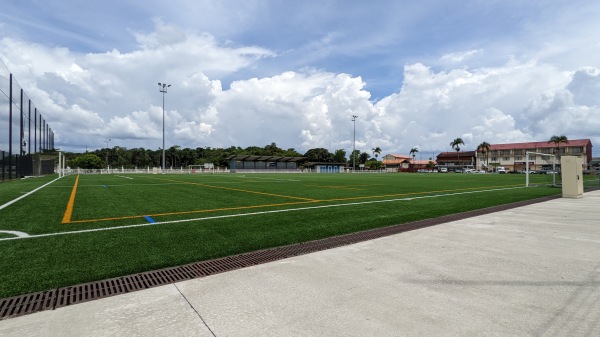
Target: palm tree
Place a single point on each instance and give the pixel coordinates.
(557, 140)
(484, 148)
(376, 152)
(412, 152)
(456, 146)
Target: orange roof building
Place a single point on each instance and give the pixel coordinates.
(398, 162)
(511, 156)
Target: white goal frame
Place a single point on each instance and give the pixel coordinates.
(527, 172)
(206, 167)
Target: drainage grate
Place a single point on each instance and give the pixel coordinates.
(61, 297)
(27, 304)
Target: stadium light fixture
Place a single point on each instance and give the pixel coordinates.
(162, 87)
(354, 117)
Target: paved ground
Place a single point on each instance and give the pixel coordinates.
(529, 271)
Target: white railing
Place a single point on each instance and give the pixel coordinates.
(148, 170)
(158, 170)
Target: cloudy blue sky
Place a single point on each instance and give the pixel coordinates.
(249, 73)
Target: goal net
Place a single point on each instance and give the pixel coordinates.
(202, 168)
(543, 167)
(42, 164)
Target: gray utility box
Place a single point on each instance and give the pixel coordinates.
(572, 176)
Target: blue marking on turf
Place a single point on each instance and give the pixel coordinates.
(150, 220)
(33, 236)
(104, 186)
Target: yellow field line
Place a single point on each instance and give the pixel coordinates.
(270, 205)
(240, 190)
(192, 212)
(337, 187)
(69, 211)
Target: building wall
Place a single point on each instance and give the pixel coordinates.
(329, 168)
(451, 159)
(514, 159)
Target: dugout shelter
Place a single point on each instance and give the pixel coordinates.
(253, 162)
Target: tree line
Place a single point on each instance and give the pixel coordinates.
(177, 157)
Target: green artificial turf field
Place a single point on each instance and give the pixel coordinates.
(82, 228)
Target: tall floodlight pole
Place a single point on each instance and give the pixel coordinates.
(162, 87)
(106, 141)
(354, 143)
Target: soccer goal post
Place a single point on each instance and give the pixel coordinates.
(546, 157)
(206, 167)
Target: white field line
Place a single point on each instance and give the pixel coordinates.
(26, 194)
(17, 233)
(250, 214)
(125, 177)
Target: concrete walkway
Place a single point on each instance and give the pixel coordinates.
(529, 271)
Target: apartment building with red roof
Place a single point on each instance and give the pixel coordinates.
(455, 160)
(512, 156)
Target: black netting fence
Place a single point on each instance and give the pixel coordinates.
(26, 140)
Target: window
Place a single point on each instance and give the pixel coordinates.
(518, 158)
(506, 158)
(577, 150)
